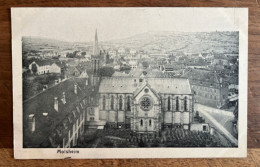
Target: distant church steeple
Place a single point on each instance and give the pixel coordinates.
(95, 48)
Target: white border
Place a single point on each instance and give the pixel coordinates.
(98, 153)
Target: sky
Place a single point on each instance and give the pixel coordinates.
(79, 24)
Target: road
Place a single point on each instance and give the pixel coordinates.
(220, 119)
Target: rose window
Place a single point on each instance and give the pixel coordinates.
(146, 103)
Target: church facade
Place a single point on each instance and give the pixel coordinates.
(145, 105)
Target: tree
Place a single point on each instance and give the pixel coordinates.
(106, 71)
(34, 68)
(83, 54)
(145, 64)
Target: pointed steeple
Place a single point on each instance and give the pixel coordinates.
(95, 47)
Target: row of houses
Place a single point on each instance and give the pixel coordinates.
(56, 117)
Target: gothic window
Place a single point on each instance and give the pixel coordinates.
(141, 123)
(120, 103)
(104, 102)
(185, 104)
(91, 111)
(112, 103)
(169, 103)
(146, 103)
(128, 103)
(177, 103)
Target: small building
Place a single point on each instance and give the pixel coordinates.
(44, 67)
(133, 64)
(121, 51)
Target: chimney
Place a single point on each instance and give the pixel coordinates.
(63, 98)
(31, 123)
(75, 89)
(56, 104)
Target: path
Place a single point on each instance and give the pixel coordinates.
(207, 113)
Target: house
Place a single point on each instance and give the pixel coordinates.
(121, 51)
(133, 64)
(56, 117)
(132, 51)
(45, 66)
(208, 88)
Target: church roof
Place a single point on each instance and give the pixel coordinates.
(160, 85)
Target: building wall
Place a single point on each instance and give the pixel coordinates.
(199, 127)
(214, 96)
(78, 127)
(152, 119)
(44, 69)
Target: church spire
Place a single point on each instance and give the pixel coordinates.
(95, 48)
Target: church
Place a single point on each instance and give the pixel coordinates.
(145, 105)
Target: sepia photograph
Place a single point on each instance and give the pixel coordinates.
(127, 80)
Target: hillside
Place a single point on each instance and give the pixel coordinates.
(150, 42)
(193, 42)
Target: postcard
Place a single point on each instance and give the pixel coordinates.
(129, 82)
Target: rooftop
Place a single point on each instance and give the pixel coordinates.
(46, 123)
(160, 85)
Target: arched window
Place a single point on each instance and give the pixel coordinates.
(169, 103)
(112, 103)
(120, 102)
(141, 123)
(177, 103)
(150, 122)
(128, 103)
(185, 104)
(104, 102)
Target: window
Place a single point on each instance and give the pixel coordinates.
(141, 123)
(104, 102)
(91, 111)
(140, 80)
(120, 102)
(128, 103)
(185, 104)
(150, 122)
(92, 118)
(146, 90)
(146, 103)
(177, 103)
(169, 103)
(204, 127)
(112, 103)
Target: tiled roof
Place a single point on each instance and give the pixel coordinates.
(44, 62)
(120, 74)
(160, 85)
(200, 75)
(44, 103)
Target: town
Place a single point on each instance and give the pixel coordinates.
(101, 94)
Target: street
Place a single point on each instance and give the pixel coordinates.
(220, 119)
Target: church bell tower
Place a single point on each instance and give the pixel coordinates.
(95, 48)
